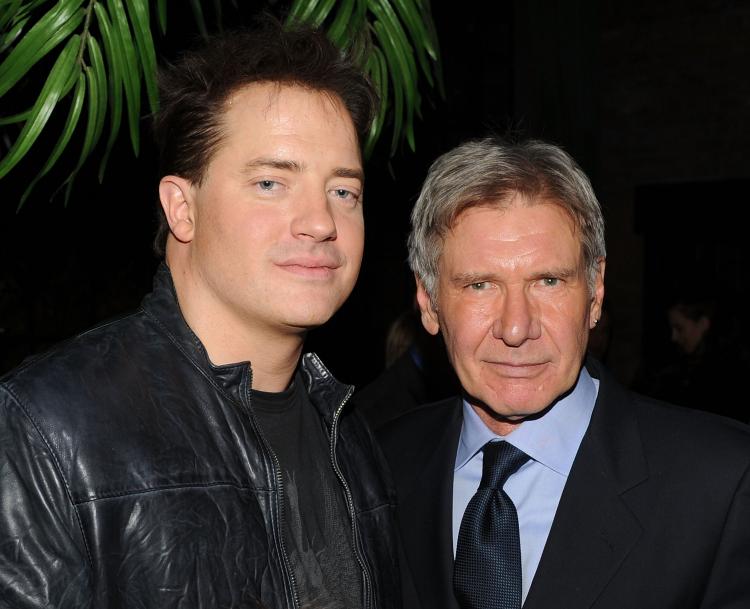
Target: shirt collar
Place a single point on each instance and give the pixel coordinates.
(551, 440)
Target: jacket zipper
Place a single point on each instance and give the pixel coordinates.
(280, 505)
(369, 600)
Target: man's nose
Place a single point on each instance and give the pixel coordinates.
(313, 218)
(517, 319)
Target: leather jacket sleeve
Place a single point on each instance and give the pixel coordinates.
(43, 557)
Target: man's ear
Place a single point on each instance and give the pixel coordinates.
(598, 296)
(175, 194)
(429, 315)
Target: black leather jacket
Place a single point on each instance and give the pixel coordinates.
(133, 474)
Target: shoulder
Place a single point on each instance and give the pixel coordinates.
(50, 385)
(676, 441)
(426, 421)
(697, 434)
(414, 439)
(69, 405)
(401, 382)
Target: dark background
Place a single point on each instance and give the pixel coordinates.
(651, 97)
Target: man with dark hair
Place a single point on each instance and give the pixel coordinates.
(547, 484)
(188, 455)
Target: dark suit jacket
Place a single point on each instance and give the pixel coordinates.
(655, 513)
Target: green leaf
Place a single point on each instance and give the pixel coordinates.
(100, 78)
(401, 48)
(409, 12)
(199, 18)
(378, 71)
(8, 13)
(95, 102)
(394, 66)
(320, 12)
(430, 25)
(138, 11)
(17, 10)
(70, 124)
(13, 34)
(114, 62)
(421, 37)
(15, 118)
(161, 11)
(301, 10)
(44, 105)
(54, 27)
(360, 42)
(131, 73)
(360, 11)
(21, 7)
(398, 51)
(338, 30)
(219, 14)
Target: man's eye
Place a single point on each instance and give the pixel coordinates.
(550, 281)
(478, 285)
(267, 184)
(343, 193)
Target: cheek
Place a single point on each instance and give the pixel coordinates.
(567, 322)
(350, 231)
(467, 331)
(214, 236)
(572, 337)
(225, 225)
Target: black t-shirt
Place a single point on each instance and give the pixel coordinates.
(317, 527)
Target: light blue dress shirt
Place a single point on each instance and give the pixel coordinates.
(552, 442)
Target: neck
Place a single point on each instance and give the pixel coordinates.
(497, 425)
(229, 337)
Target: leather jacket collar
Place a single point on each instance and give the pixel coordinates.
(161, 305)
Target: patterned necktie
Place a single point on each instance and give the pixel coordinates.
(487, 570)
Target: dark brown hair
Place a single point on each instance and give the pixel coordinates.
(194, 89)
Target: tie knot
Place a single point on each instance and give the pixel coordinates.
(500, 461)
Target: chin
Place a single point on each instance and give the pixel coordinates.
(514, 402)
(309, 319)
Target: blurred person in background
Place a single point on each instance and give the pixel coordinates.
(709, 363)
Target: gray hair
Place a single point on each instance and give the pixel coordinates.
(490, 172)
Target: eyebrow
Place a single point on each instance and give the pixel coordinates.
(294, 166)
(263, 162)
(344, 172)
(467, 278)
(560, 272)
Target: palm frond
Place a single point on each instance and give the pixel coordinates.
(106, 68)
(390, 34)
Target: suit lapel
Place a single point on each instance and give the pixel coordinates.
(426, 516)
(593, 530)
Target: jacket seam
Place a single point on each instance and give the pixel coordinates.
(375, 508)
(56, 461)
(167, 487)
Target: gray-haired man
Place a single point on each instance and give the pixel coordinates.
(548, 484)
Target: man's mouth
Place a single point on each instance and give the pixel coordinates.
(517, 369)
(312, 267)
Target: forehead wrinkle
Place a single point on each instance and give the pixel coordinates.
(533, 259)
